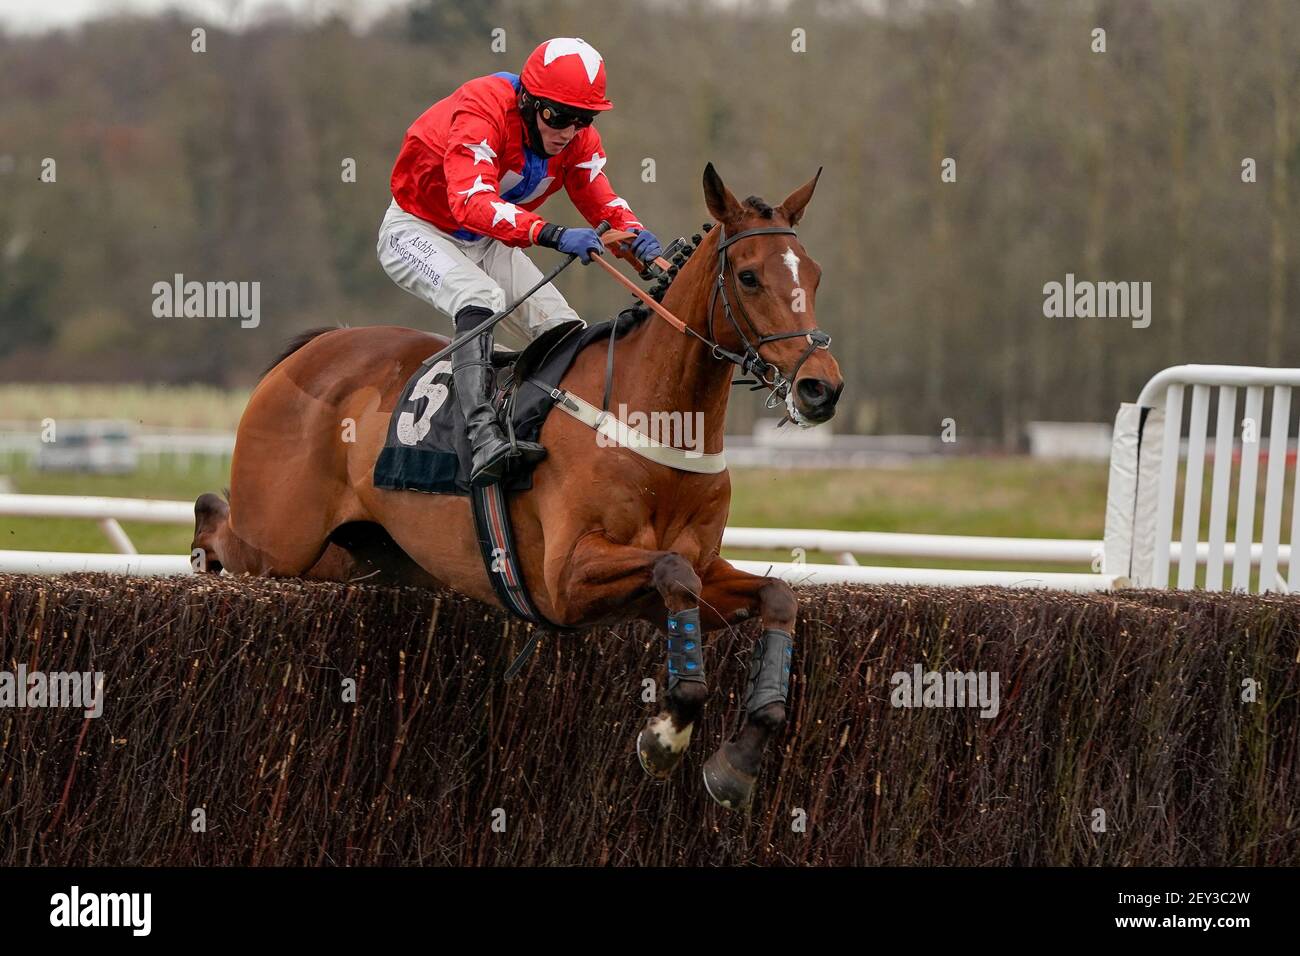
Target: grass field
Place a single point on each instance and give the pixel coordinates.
(175, 406)
(1015, 497)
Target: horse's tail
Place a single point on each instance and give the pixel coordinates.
(211, 513)
(295, 343)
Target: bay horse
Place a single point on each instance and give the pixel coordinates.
(603, 535)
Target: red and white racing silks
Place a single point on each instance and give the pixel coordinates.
(465, 168)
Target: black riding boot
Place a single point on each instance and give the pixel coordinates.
(474, 377)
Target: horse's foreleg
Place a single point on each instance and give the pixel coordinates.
(730, 594)
(600, 570)
(662, 742)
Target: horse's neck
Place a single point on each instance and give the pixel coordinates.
(658, 369)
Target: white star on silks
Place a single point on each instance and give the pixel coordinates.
(595, 165)
(504, 211)
(483, 153)
(618, 202)
(478, 187)
(563, 46)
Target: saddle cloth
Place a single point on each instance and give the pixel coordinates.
(427, 448)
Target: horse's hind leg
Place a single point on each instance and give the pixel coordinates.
(216, 546)
(729, 594)
(211, 514)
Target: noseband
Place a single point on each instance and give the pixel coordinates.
(751, 362)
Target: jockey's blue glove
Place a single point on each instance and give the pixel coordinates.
(645, 246)
(574, 241)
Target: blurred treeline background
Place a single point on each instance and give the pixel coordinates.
(1122, 166)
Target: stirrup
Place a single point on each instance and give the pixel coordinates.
(499, 465)
(529, 452)
(489, 462)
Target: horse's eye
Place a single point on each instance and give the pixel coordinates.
(749, 280)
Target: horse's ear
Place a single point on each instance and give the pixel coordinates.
(723, 206)
(794, 204)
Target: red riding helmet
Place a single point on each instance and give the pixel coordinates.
(569, 71)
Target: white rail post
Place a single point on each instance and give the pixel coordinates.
(1192, 486)
(1246, 487)
(117, 537)
(1224, 432)
(1277, 433)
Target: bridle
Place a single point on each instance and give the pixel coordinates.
(751, 362)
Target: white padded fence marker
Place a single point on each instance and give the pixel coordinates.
(1157, 494)
(1150, 459)
(1121, 490)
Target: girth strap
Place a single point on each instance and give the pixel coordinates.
(496, 543)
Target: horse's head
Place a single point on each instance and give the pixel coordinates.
(763, 309)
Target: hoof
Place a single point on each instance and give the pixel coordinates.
(729, 787)
(655, 747)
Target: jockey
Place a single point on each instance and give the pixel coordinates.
(471, 172)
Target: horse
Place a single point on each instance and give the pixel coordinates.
(603, 535)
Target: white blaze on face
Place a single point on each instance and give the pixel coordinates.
(792, 263)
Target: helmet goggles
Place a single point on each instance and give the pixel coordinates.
(559, 116)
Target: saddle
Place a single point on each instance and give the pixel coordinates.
(426, 448)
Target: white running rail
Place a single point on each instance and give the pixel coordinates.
(845, 544)
(68, 562)
(109, 511)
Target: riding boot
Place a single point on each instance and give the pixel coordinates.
(474, 377)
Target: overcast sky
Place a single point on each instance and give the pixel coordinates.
(28, 16)
(36, 15)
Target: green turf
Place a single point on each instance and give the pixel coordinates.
(1000, 497)
(183, 406)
